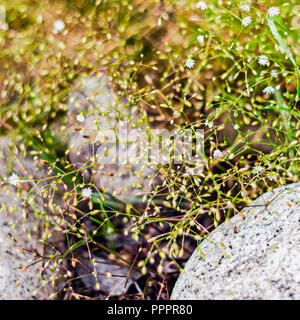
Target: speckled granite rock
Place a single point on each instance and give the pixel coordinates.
(12, 221)
(10, 259)
(262, 259)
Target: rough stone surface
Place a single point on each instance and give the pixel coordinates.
(10, 259)
(16, 284)
(260, 261)
(111, 277)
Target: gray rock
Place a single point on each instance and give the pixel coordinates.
(10, 259)
(16, 283)
(260, 261)
(110, 276)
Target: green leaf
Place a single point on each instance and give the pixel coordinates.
(282, 44)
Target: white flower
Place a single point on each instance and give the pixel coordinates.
(257, 169)
(86, 192)
(245, 8)
(218, 154)
(59, 25)
(272, 176)
(268, 90)
(273, 11)
(201, 5)
(200, 39)
(80, 117)
(246, 21)
(263, 60)
(274, 73)
(190, 63)
(14, 179)
(192, 223)
(208, 124)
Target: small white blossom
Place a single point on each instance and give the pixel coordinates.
(274, 73)
(268, 90)
(190, 63)
(200, 39)
(159, 21)
(272, 176)
(201, 5)
(80, 117)
(176, 114)
(257, 169)
(208, 124)
(273, 11)
(14, 179)
(246, 21)
(218, 154)
(192, 223)
(86, 192)
(245, 8)
(263, 60)
(59, 25)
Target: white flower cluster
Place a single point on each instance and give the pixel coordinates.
(218, 154)
(201, 5)
(245, 8)
(59, 25)
(208, 124)
(269, 90)
(274, 73)
(86, 192)
(80, 118)
(14, 179)
(200, 39)
(246, 21)
(190, 62)
(257, 169)
(263, 60)
(273, 11)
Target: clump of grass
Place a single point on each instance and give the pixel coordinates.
(179, 67)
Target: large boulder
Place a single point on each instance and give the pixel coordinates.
(16, 281)
(255, 256)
